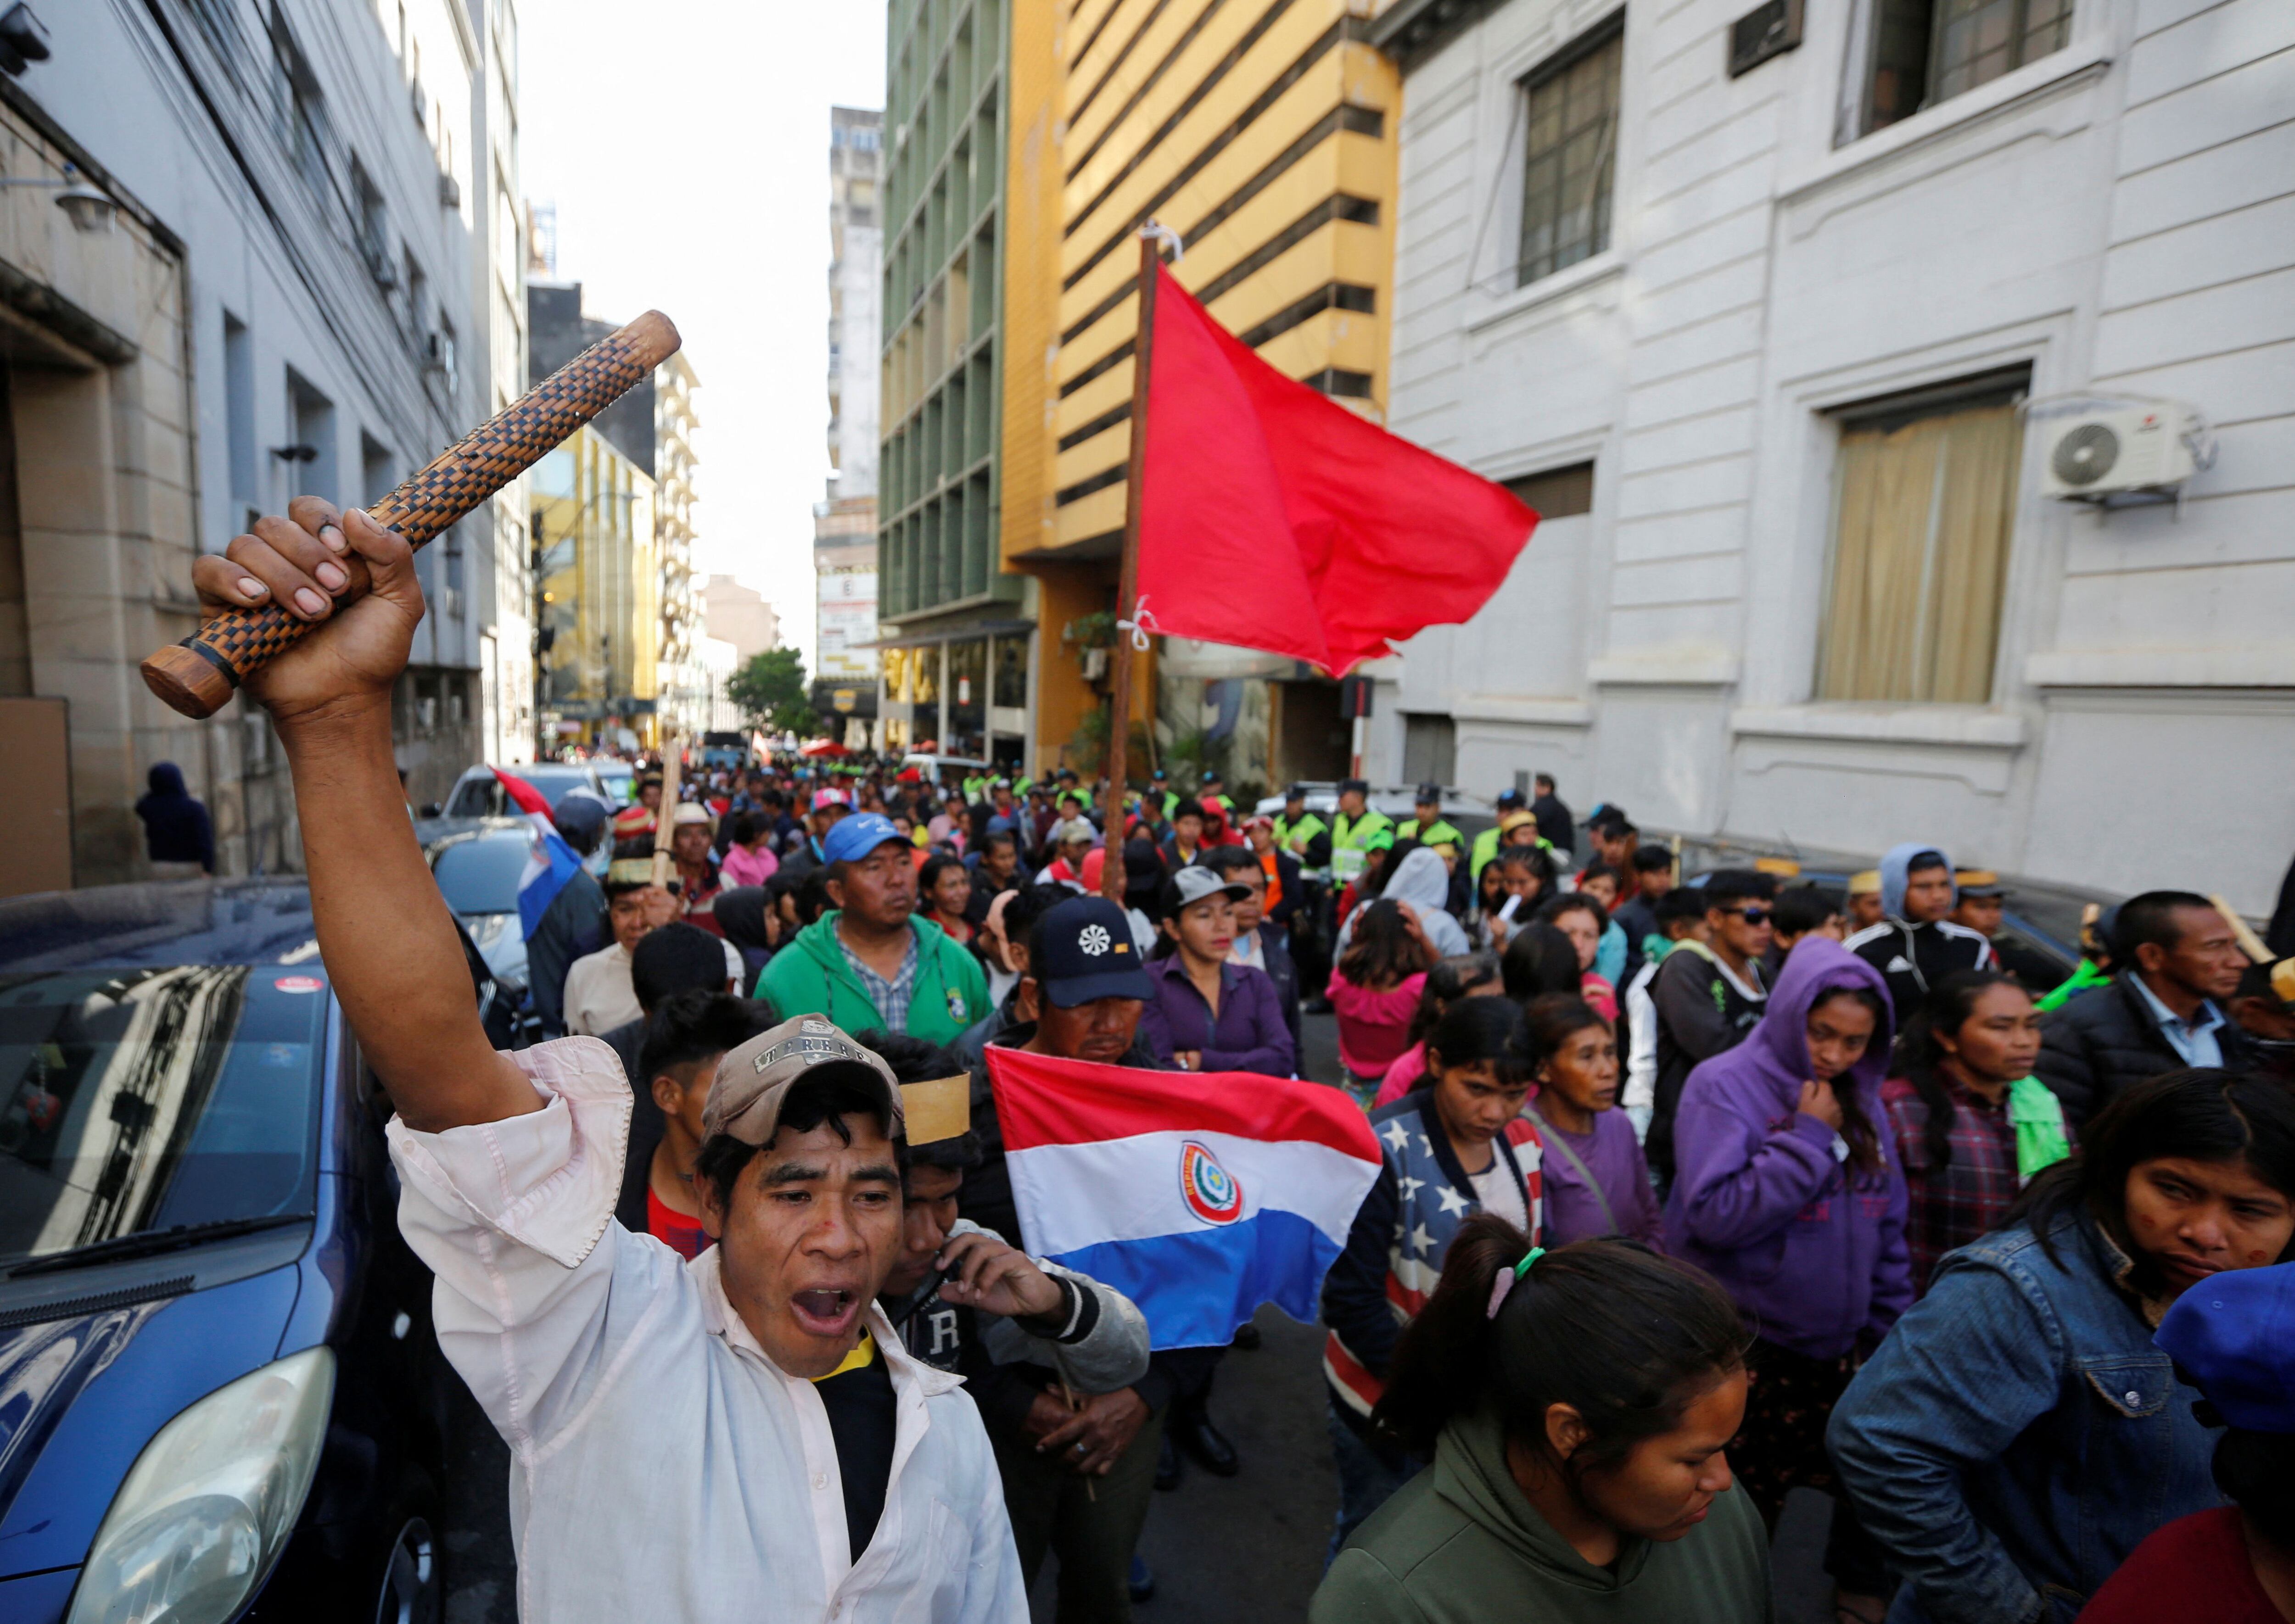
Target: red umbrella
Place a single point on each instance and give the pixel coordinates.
(824, 747)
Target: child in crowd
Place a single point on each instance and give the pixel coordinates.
(1602, 883)
(1581, 917)
(1595, 1182)
(1788, 1193)
(1374, 992)
(1799, 912)
(1971, 1122)
(1445, 1152)
(685, 1038)
(1460, 976)
(2021, 1432)
(1576, 1403)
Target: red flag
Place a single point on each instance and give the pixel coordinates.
(1273, 517)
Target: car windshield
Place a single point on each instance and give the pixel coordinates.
(551, 781)
(140, 1099)
(481, 876)
(617, 783)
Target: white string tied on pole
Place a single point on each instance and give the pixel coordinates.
(1165, 233)
(1143, 624)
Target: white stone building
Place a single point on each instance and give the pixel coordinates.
(1757, 345)
(320, 205)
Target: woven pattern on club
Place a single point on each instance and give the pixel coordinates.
(460, 477)
(505, 447)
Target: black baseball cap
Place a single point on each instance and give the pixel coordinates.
(1357, 785)
(1430, 794)
(1297, 792)
(1510, 797)
(1082, 951)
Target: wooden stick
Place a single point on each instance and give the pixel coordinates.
(197, 676)
(2250, 942)
(1127, 590)
(665, 821)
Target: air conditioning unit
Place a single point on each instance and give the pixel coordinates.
(2115, 448)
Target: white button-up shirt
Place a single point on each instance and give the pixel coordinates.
(661, 1466)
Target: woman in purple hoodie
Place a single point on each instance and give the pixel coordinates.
(1788, 1192)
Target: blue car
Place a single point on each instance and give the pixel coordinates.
(220, 1394)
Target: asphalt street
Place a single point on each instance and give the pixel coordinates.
(1241, 1550)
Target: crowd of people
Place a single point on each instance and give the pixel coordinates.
(1839, 1110)
(1693, 1189)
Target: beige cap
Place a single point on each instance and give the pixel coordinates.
(746, 1095)
(1868, 883)
(688, 811)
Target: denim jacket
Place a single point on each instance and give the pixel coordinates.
(2018, 1434)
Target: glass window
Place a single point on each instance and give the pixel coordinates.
(1011, 671)
(481, 876)
(1924, 504)
(138, 1099)
(1570, 157)
(1924, 52)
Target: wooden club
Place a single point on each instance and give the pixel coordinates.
(197, 676)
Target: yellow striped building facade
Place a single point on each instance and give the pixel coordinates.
(1261, 131)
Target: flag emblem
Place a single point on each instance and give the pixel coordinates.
(1210, 1193)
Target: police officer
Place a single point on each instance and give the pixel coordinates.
(1352, 832)
(1486, 843)
(1430, 827)
(1295, 825)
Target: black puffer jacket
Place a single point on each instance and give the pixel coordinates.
(2102, 1041)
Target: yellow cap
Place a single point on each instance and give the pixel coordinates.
(1867, 884)
(1783, 868)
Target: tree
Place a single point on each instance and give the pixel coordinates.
(771, 691)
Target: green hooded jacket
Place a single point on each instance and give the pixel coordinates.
(811, 976)
(1461, 1544)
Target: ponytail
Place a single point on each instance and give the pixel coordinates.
(1624, 1336)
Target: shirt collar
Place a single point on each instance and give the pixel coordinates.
(2210, 1016)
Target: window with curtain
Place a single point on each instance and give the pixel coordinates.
(1924, 498)
(1572, 114)
(1918, 52)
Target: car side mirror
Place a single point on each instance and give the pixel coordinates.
(431, 809)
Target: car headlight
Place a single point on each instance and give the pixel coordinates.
(210, 1501)
(486, 928)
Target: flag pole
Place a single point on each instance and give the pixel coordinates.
(1127, 592)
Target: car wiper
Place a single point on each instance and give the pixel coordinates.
(151, 1242)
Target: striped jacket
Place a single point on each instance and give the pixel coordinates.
(1402, 1234)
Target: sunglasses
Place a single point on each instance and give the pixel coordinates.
(1754, 916)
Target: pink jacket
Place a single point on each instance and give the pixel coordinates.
(1406, 1071)
(743, 866)
(1373, 1025)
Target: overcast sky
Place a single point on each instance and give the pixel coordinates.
(685, 144)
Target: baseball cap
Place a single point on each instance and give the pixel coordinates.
(1297, 792)
(1072, 829)
(1357, 785)
(753, 1080)
(823, 799)
(1194, 883)
(579, 816)
(1158, 776)
(851, 839)
(1087, 954)
(2233, 1335)
(1866, 883)
(1511, 797)
(1430, 793)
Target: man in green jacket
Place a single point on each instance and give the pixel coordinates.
(1295, 825)
(871, 963)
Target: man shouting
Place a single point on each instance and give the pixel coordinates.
(740, 1437)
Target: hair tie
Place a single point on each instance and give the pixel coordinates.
(1504, 1284)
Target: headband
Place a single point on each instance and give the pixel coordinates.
(1504, 1284)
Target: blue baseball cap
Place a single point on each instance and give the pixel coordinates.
(853, 839)
(2233, 1335)
(1088, 953)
